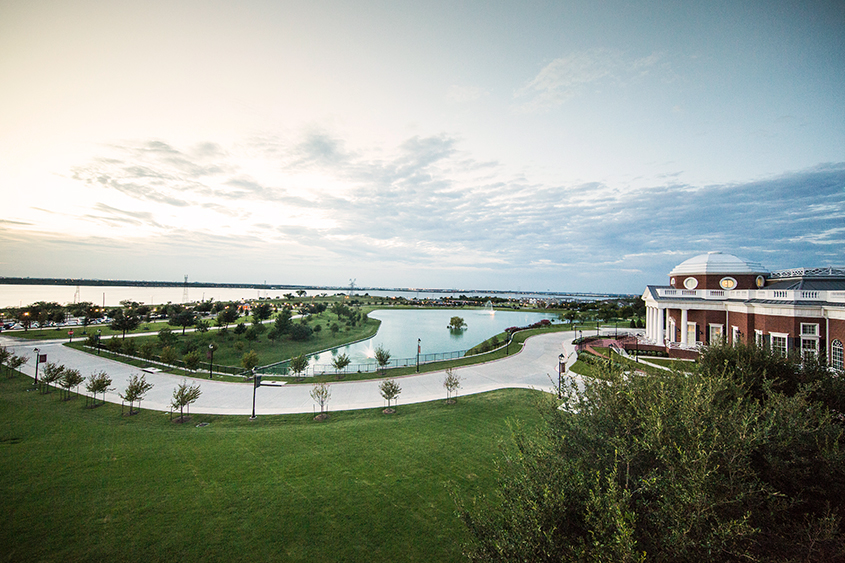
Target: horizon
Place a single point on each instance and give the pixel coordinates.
(540, 146)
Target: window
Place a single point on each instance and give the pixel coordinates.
(758, 338)
(809, 346)
(715, 334)
(809, 329)
(779, 344)
(735, 335)
(837, 361)
(691, 333)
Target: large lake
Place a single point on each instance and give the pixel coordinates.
(401, 328)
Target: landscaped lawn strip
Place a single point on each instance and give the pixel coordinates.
(90, 485)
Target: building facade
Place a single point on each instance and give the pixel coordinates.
(718, 297)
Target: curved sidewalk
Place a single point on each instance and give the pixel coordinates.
(535, 367)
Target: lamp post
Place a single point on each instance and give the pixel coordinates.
(37, 358)
(211, 348)
(419, 348)
(561, 367)
(99, 332)
(256, 382)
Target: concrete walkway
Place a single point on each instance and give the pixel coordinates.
(534, 367)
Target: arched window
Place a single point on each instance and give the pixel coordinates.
(836, 355)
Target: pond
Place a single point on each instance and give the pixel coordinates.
(400, 329)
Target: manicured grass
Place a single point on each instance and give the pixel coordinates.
(90, 485)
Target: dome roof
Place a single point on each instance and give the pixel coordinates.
(717, 263)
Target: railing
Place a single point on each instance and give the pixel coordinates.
(283, 368)
(774, 294)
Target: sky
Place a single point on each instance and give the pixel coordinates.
(584, 146)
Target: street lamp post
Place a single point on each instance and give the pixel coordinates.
(256, 383)
(37, 358)
(211, 348)
(99, 332)
(419, 348)
(561, 367)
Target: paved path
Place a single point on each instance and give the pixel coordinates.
(534, 367)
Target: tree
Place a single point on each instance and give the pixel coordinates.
(240, 328)
(192, 360)
(249, 360)
(261, 312)
(124, 321)
(383, 358)
(452, 383)
(15, 362)
(340, 362)
(456, 323)
(168, 355)
(389, 390)
(70, 378)
(135, 391)
(301, 292)
(185, 395)
(5, 356)
(114, 345)
(128, 347)
(166, 336)
(677, 467)
(283, 321)
(183, 318)
(51, 373)
(321, 395)
(202, 326)
(299, 364)
(98, 382)
(148, 349)
(300, 331)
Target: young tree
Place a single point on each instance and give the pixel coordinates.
(166, 336)
(340, 362)
(389, 390)
(5, 356)
(184, 396)
(168, 355)
(383, 358)
(452, 382)
(299, 364)
(202, 325)
(70, 378)
(51, 374)
(98, 382)
(129, 347)
(15, 362)
(148, 349)
(135, 391)
(261, 312)
(183, 318)
(192, 360)
(321, 395)
(299, 331)
(249, 360)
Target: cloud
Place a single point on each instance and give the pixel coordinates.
(569, 76)
(464, 94)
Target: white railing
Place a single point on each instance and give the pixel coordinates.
(769, 294)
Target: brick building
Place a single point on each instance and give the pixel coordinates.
(716, 296)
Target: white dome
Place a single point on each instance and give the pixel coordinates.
(717, 263)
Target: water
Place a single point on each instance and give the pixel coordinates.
(111, 296)
(401, 328)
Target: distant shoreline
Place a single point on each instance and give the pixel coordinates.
(266, 286)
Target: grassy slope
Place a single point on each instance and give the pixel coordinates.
(91, 485)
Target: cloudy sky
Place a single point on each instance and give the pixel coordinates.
(564, 146)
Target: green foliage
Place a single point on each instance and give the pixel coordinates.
(382, 357)
(148, 349)
(168, 355)
(321, 395)
(50, 374)
(98, 382)
(192, 360)
(135, 391)
(124, 321)
(114, 345)
(283, 321)
(299, 364)
(185, 395)
(452, 382)
(389, 390)
(128, 346)
(300, 332)
(240, 329)
(166, 336)
(456, 323)
(70, 378)
(249, 360)
(723, 466)
(340, 362)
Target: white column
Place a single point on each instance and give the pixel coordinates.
(649, 323)
(684, 321)
(660, 319)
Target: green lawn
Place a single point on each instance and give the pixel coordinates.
(90, 485)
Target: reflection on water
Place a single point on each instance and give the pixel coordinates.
(401, 330)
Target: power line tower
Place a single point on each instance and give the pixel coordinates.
(185, 292)
(76, 295)
(352, 286)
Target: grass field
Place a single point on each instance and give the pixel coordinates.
(90, 485)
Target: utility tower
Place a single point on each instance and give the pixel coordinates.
(352, 286)
(185, 292)
(76, 295)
